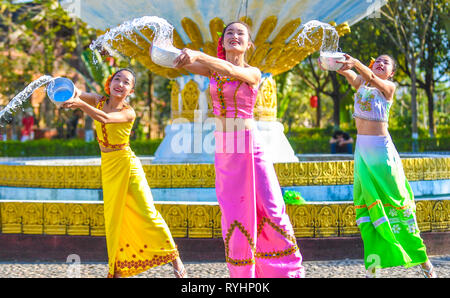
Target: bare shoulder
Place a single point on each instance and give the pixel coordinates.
(255, 73)
(129, 112)
(253, 69)
(98, 98)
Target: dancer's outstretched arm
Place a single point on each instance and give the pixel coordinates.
(203, 64)
(125, 115)
(90, 98)
(352, 77)
(385, 86)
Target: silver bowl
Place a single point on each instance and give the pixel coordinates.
(328, 60)
(164, 56)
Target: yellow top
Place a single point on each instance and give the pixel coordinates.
(113, 135)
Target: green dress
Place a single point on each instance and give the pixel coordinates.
(385, 208)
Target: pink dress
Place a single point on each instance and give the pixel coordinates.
(258, 235)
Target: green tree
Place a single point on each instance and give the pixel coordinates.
(45, 37)
(407, 23)
(315, 79)
(435, 60)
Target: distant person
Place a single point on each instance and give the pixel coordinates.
(341, 142)
(27, 129)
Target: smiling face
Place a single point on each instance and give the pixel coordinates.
(384, 67)
(236, 38)
(122, 84)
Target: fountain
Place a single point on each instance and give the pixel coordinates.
(63, 197)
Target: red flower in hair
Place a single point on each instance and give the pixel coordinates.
(372, 61)
(107, 83)
(220, 49)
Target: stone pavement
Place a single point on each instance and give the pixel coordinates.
(314, 269)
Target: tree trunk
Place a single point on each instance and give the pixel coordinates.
(336, 96)
(318, 112)
(149, 103)
(431, 127)
(414, 127)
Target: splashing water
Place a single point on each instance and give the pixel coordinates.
(6, 115)
(162, 34)
(330, 37)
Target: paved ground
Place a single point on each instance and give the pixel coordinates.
(317, 269)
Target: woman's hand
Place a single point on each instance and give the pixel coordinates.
(186, 57)
(73, 103)
(77, 93)
(349, 63)
(320, 64)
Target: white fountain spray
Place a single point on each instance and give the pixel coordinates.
(6, 115)
(330, 37)
(163, 51)
(329, 54)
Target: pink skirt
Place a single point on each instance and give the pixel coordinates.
(258, 235)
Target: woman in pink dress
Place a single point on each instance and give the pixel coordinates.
(258, 235)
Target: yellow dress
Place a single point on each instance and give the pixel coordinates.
(137, 236)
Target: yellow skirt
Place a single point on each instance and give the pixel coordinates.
(137, 237)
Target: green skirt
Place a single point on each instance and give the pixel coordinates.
(385, 208)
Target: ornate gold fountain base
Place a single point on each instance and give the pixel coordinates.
(310, 173)
(200, 220)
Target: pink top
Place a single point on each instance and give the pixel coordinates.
(232, 98)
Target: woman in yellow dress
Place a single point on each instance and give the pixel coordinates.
(137, 236)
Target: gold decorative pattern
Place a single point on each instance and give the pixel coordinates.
(78, 219)
(176, 217)
(203, 175)
(216, 25)
(55, 219)
(327, 221)
(158, 175)
(277, 254)
(189, 96)
(250, 241)
(440, 216)
(11, 216)
(285, 173)
(266, 101)
(266, 28)
(424, 214)
(174, 97)
(266, 220)
(302, 218)
(97, 220)
(347, 222)
(193, 32)
(32, 218)
(201, 220)
(132, 267)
